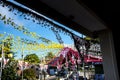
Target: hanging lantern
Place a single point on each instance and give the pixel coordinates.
(10, 55)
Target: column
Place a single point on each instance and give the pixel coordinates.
(109, 55)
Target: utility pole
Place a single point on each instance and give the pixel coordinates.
(22, 61)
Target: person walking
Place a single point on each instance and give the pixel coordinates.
(18, 73)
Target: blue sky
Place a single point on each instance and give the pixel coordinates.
(33, 27)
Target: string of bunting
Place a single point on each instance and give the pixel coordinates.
(38, 19)
(30, 15)
(23, 29)
(25, 44)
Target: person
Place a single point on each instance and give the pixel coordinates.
(18, 73)
(44, 71)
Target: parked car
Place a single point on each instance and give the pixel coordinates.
(52, 70)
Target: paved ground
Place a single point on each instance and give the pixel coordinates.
(51, 78)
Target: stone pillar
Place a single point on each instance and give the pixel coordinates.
(109, 55)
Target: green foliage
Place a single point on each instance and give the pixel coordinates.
(29, 74)
(7, 42)
(9, 72)
(50, 55)
(32, 58)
